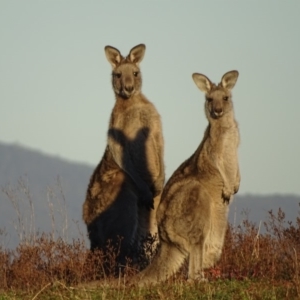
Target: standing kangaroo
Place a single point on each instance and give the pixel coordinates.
(192, 214)
(125, 188)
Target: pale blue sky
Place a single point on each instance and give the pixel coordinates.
(56, 95)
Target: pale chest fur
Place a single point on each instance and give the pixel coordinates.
(228, 155)
(131, 120)
(220, 150)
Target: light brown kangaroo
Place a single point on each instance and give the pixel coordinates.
(192, 214)
(125, 188)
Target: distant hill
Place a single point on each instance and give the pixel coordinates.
(28, 176)
(49, 180)
(256, 207)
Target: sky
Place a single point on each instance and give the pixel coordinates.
(55, 82)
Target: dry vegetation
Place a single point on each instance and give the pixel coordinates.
(259, 261)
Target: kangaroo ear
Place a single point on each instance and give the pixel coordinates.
(136, 54)
(113, 55)
(202, 82)
(229, 79)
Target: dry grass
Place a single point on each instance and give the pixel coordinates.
(45, 266)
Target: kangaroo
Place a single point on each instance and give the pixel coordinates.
(124, 190)
(192, 214)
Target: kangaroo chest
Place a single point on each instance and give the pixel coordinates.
(225, 148)
(128, 121)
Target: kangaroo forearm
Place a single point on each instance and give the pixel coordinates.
(124, 162)
(223, 175)
(237, 181)
(158, 176)
(136, 178)
(228, 187)
(158, 186)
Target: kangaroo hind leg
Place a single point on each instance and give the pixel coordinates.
(196, 262)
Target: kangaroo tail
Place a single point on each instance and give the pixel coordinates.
(167, 261)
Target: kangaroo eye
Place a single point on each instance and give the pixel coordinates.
(209, 99)
(225, 98)
(135, 74)
(118, 75)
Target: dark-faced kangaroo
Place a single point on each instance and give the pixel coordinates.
(192, 215)
(125, 188)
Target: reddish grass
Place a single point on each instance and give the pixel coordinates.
(247, 254)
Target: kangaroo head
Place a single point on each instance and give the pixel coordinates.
(126, 76)
(218, 97)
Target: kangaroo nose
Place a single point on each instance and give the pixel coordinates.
(218, 110)
(129, 88)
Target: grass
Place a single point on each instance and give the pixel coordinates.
(217, 289)
(254, 265)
